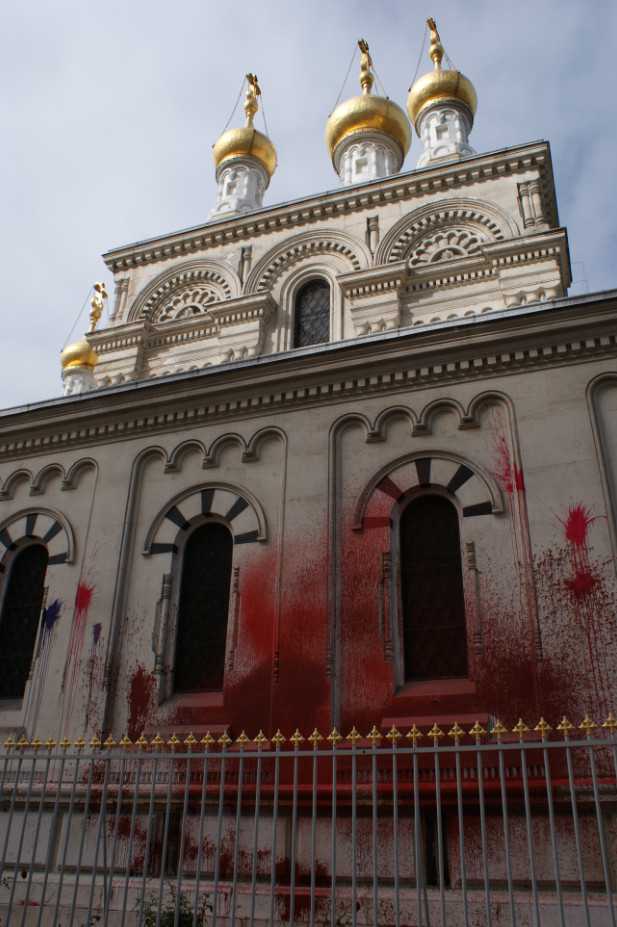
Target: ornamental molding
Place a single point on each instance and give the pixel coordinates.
(202, 282)
(401, 188)
(290, 252)
(405, 238)
(148, 337)
(448, 352)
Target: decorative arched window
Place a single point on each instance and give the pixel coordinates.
(434, 633)
(203, 609)
(21, 614)
(312, 314)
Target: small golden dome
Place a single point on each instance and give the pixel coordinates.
(439, 86)
(367, 113)
(247, 142)
(79, 354)
(243, 143)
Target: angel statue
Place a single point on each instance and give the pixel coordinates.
(250, 101)
(366, 63)
(97, 304)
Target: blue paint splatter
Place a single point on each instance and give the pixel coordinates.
(96, 632)
(51, 614)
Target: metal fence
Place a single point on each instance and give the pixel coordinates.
(405, 828)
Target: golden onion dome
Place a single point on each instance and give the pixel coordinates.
(79, 354)
(440, 85)
(247, 142)
(367, 113)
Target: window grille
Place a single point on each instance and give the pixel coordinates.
(312, 314)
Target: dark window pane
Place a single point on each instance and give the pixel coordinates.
(435, 639)
(21, 613)
(312, 314)
(202, 616)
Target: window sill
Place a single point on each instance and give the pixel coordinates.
(435, 700)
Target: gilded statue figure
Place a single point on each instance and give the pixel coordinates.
(97, 304)
(366, 63)
(251, 104)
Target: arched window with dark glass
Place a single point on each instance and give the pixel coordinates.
(434, 633)
(203, 609)
(21, 614)
(312, 314)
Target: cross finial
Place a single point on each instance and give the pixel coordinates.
(435, 51)
(251, 104)
(366, 67)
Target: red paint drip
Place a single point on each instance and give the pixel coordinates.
(140, 700)
(582, 583)
(508, 475)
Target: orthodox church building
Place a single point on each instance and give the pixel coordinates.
(345, 460)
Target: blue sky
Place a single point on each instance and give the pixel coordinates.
(109, 112)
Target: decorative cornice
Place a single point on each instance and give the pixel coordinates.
(548, 334)
(298, 213)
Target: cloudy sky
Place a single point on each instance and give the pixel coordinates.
(109, 110)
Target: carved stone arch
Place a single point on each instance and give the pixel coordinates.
(379, 430)
(41, 524)
(425, 423)
(476, 222)
(185, 289)
(348, 419)
(75, 471)
(351, 253)
(39, 483)
(253, 448)
(213, 455)
(174, 461)
(606, 460)
(238, 508)
(474, 489)
(12, 481)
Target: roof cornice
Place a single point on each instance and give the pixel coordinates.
(318, 207)
(563, 331)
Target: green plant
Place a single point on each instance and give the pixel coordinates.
(150, 907)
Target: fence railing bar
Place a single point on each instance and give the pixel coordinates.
(9, 823)
(602, 837)
(255, 838)
(294, 837)
(440, 842)
(222, 757)
(82, 840)
(416, 839)
(506, 837)
(35, 842)
(483, 839)
(200, 839)
(148, 846)
(129, 849)
(333, 841)
(110, 869)
(234, 877)
(395, 836)
(577, 835)
(183, 829)
(553, 836)
(275, 811)
(529, 833)
(68, 820)
(374, 835)
(313, 841)
(51, 842)
(165, 837)
(461, 837)
(21, 838)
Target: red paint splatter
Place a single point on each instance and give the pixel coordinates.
(577, 523)
(83, 598)
(581, 584)
(140, 700)
(302, 898)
